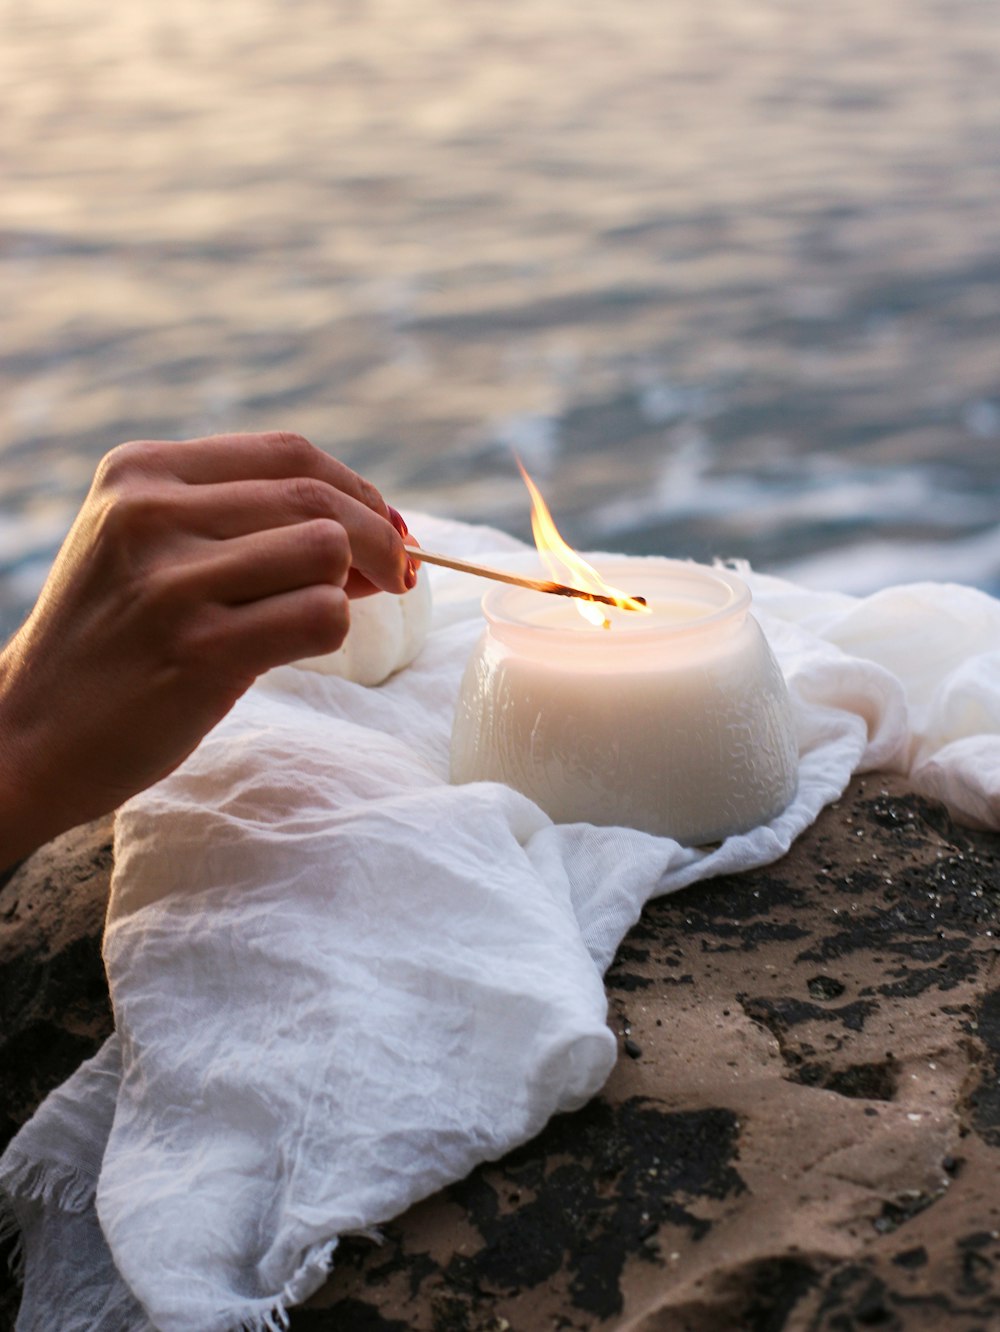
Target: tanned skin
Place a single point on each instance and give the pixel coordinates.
(191, 568)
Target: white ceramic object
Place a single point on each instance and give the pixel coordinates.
(677, 723)
(386, 634)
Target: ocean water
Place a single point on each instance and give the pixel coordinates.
(727, 276)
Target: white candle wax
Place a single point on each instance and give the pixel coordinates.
(676, 722)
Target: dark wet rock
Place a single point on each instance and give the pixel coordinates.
(805, 1139)
(825, 987)
(54, 1006)
(780, 1013)
(912, 1257)
(872, 1082)
(350, 1313)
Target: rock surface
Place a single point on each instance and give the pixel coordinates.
(802, 1133)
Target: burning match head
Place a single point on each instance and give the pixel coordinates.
(623, 602)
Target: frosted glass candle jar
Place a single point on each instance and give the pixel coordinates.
(677, 723)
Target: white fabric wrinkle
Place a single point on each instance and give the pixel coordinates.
(965, 775)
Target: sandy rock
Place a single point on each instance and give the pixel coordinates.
(802, 1133)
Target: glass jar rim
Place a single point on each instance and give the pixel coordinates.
(728, 597)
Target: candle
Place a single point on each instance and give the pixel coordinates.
(676, 722)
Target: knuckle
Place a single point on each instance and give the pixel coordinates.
(328, 548)
(372, 497)
(200, 652)
(304, 494)
(122, 464)
(197, 628)
(295, 450)
(134, 512)
(330, 618)
(210, 647)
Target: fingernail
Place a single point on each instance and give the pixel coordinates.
(410, 577)
(396, 518)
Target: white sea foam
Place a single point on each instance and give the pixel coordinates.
(817, 487)
(868, 566)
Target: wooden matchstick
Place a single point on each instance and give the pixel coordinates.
(518, 580)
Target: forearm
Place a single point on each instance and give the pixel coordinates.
(29, 813)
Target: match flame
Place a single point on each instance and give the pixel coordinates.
(566, 566)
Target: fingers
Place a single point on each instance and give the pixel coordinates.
(267, 564)
(237, 508)
(247, 507)
(409, 540)
(271, 456)
(230, 486)
(307, 622)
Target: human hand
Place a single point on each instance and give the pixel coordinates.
(191, 568)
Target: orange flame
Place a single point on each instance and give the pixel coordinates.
(566, 566)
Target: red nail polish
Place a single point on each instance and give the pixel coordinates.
(396, 518)
(410, 577)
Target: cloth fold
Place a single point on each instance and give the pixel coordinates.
(339, 982)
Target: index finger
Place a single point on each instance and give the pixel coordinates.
(269, 456)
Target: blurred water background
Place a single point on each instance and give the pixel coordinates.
(727, 274)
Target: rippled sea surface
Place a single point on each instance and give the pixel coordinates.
(727, 276)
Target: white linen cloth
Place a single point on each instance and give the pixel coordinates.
(339, 982)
